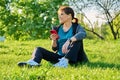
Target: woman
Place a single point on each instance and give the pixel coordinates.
(67, 43)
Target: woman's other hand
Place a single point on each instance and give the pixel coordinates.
(54, 36)
(65, 49)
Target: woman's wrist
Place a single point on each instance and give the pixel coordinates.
(70, 40)
(73, 39)
(54, 40)
(54, 43)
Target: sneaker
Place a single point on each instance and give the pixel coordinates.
(30, 63)
(63, 62)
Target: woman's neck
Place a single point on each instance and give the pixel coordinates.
(66, 26)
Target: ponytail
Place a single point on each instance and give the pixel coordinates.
(75, 20)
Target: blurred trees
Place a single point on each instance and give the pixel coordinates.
(32, 19)
(25, 19)
(109, 11)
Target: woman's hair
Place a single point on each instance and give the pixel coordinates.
(75, 20)
(68, 11)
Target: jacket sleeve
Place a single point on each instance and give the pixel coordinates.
(80, 33)
(54, 48)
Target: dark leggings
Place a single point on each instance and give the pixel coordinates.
(76, 54)
(41, 53)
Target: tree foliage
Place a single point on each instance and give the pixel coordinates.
(25, 19)
(32, 19)
(80, 6)
(109, 10)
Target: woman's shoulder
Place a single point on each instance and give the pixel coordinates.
(76, 25)
(57, 27)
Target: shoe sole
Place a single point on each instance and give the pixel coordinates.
(22, 64)
(25, 64)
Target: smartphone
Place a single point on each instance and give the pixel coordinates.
(54, 32)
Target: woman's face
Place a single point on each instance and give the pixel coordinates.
(63, 17)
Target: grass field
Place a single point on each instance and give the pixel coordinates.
(104, 63)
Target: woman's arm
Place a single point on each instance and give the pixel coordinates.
(54, 45)
(80, 34)
(54, 41)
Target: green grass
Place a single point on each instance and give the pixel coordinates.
(104, 63)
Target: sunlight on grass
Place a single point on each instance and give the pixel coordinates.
(103, 55)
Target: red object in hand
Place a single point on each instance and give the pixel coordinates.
(54, 32)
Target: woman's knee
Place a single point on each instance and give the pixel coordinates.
(36, 51)
(38, 48)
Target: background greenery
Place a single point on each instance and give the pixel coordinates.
(103, 55)
(32, 19)
(27, 19)
(23, 22)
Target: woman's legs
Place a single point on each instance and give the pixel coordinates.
(41, 53)
(72, 55)
(76, 53)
